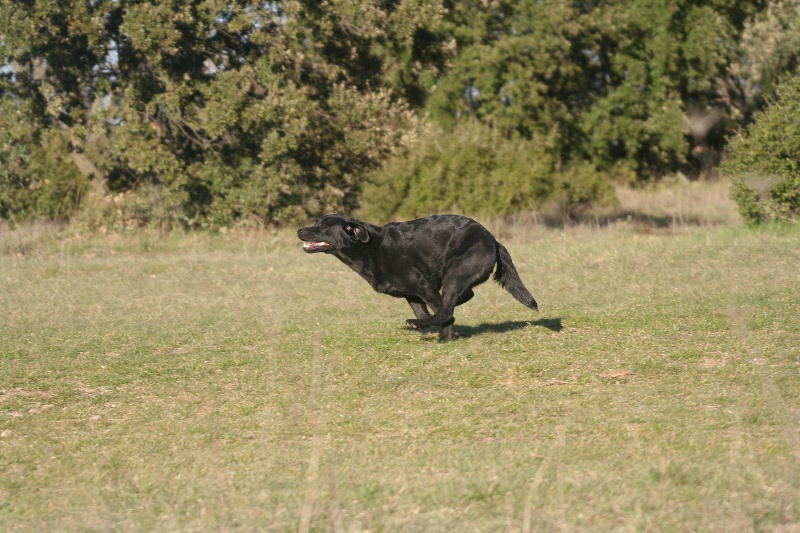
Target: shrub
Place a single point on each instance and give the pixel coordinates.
(764, 162)
(476, 171)
(38, 178)
(578, 188)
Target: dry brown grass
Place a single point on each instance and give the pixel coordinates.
(680, 202)
(673, 205)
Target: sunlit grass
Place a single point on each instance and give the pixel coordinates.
(680, 202)
(212, 383)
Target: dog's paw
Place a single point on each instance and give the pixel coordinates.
(413, 323)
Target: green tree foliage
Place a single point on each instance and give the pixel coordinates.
(212, 112)
(638, 88)
(476, 170)
(632, 90)
(472, 170)
(764, 163)
(217, 110)
(770, 51)
(37, 176)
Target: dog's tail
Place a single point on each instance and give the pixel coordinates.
(506, 275)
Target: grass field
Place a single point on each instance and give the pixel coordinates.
(198, 383)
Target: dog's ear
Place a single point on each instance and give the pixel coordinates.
(357, 231)
(361, 233)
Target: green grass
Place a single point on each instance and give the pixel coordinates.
(221, 383)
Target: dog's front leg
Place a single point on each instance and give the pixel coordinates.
(421, 311)
(419, 307)
(448, 330)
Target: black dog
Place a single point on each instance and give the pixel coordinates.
(431, 262)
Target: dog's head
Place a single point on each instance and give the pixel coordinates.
(333, 233)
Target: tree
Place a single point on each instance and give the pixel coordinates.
(764, 163)
(37, 176)
(769, 54)
(221, 110)
(213, 112)
(637, 88)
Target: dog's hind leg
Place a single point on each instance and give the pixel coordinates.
(448, 332)
(448, 328)
(464, 298)
(457, 289)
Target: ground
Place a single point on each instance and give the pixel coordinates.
(214, 382)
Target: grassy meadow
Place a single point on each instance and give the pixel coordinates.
(232, 382)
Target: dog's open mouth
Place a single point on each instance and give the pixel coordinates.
(315, 246)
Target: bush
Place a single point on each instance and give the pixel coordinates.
(764, 163)
(38, 178)
(580, 187)
(145, 207)
(476, 171)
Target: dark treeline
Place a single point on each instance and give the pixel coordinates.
(216, 112)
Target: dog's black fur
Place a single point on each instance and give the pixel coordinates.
(431, 262)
